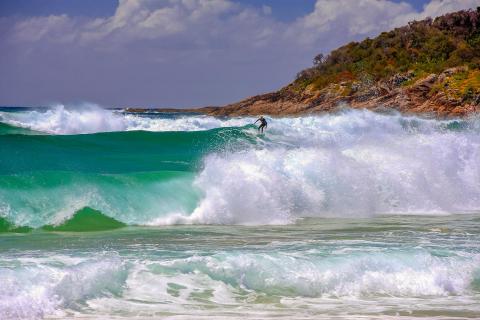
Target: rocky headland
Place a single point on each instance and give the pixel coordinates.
(428, 67)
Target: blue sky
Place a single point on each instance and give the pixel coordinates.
(285, 10)
(56, 7)
(179, 52)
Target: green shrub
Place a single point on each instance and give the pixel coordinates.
(428, 46)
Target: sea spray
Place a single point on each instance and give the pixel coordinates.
(90, 118)
(402, 173)
(61, 119)
(41, 289)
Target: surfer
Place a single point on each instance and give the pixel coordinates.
(263, 123)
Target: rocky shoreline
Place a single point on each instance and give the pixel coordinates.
(426, 67)
(429, 95)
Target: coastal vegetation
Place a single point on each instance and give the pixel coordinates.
(407, 54)
(429, 67)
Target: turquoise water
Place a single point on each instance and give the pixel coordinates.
(110, 215)
(417, 267)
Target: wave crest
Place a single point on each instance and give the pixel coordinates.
(352, 163)
(90, 118)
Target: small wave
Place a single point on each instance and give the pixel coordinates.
(55, 285)
(6, 129)
(7, 226)
(90, 118)
(87, 219)
(59, 119)
(84, 220)
(52, 198)
(400, 274)
(33, 292)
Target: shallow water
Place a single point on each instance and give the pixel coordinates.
(413, 266)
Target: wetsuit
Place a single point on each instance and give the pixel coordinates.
(263, 124)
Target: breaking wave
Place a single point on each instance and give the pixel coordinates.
(41, 289)
(49, 285)
(221, 171)
(90, 118)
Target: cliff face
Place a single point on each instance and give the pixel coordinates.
(430, 66)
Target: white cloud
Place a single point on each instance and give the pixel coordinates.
(439, 7)
(343, 20)
(39, 28)
(133, 20)
(334, 20)
(434, 9)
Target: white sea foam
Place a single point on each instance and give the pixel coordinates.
(349, 164)
(37, 290)
(183, 123)
(59, 119)
(90, 118)
(413, 273)
(228, 281)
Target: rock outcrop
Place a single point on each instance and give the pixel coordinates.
(430, 66)
(428, 95)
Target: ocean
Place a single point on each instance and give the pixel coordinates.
(106, 214)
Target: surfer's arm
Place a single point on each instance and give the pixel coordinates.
(256, 121)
